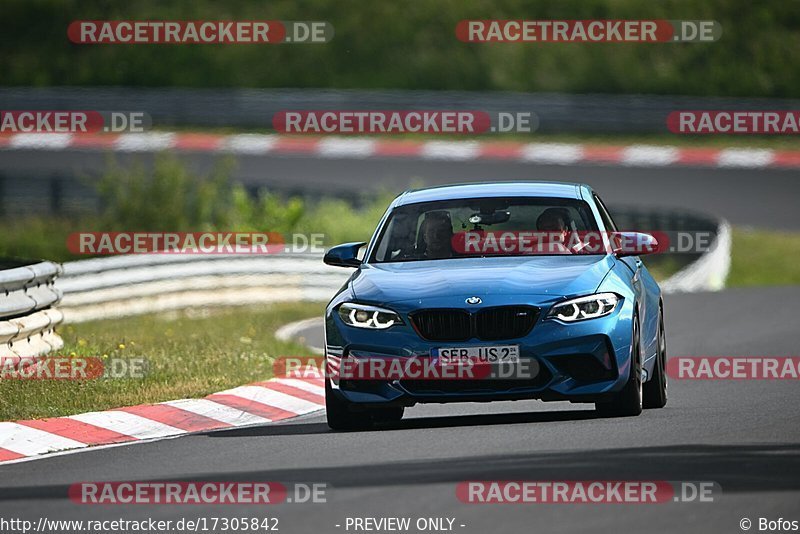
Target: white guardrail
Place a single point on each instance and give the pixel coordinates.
(27, 316)
(129, 285)
(709, 271)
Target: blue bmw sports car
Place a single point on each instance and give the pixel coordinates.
(494, 291)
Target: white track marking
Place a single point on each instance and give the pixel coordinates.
(145, 142)
(41, 141)
(451, 150)
(249, 143)
(129, 424)
(557, 153)
(217, 411)
(649, 155)
(273, 398)
(346, 148)
(32, 441)
(301, 384)
(745, 157)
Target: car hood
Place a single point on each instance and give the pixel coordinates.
(554, 276)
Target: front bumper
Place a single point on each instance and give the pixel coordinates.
(585, 361)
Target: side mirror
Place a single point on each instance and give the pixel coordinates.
(633, 244)
(344, 255)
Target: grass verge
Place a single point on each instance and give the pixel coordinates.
(764, 258)
(186, 356)
(663, 266)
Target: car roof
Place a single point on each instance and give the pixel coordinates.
(493, 189)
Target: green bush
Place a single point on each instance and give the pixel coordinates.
(170, 198)
(39, 237)
(341, 222)
(411, 44)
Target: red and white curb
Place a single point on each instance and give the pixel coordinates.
(354, 147)
(254, 404)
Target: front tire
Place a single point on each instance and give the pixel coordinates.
(655, 390)
(628, 402)
(339, 415)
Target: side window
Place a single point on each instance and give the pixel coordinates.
(608, 222)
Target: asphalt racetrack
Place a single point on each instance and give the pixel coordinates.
(743, 435)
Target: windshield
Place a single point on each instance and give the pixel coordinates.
(477, 227)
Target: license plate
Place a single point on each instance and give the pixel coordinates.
(486, 355)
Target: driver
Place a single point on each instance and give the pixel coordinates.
(436, 231)
(555, 223)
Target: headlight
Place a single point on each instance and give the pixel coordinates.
(588, 307)
(363, 316)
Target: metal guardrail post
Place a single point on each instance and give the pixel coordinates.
(27, 314)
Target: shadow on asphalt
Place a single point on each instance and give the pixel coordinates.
(737, 468)
(289, 429)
